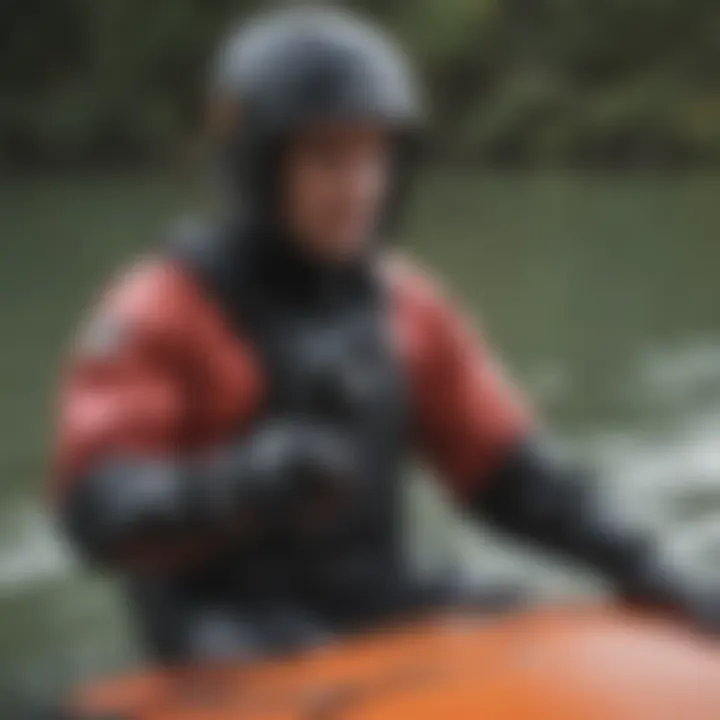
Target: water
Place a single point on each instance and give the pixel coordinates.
(601, 293)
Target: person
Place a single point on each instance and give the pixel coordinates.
(238, 408)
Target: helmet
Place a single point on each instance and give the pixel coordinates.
(288, 68)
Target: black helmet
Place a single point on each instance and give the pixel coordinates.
(291, 67)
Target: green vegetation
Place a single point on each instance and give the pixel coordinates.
(621, 82)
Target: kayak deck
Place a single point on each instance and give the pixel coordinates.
(581, 664)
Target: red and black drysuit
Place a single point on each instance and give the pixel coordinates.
(232, 426)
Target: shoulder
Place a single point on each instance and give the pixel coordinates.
(154, 301)
(426, 325)
(407, 279)
(414, 291)
(165, 291)
(153, 292)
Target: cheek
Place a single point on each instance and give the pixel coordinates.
(372, 185)
(311, 193)
(358, 194)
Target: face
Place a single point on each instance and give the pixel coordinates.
(336, 183)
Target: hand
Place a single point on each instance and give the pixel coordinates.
(685, 595)
(285, 469)
(698, 602)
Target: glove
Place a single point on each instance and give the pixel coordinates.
(685, 595)
(700, 603)
(286, 470)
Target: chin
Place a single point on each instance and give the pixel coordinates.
(343, 249)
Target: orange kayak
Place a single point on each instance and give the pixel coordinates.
(582, 664)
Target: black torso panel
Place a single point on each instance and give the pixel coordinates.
(324, 341)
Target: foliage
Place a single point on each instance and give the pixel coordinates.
(513, 81)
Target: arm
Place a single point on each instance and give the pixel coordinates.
(152, 510)
(537, 496)
(120, 484)
(475, 431)
(143, 475)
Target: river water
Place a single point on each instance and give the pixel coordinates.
(601, 294)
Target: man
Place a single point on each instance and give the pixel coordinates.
(237, 410)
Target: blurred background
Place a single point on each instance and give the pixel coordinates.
(572, 202)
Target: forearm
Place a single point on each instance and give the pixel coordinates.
(535, 496)
(264, 481)
(122, 505)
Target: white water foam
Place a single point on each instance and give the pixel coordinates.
(30, 551)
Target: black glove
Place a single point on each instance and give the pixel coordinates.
(698, 602)
(285, 469)
(286, 472)
(664, 586)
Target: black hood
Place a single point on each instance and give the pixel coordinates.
(251, 262)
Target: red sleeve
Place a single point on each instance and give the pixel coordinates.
(122, 388)
(464, 409)
(156, 370)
